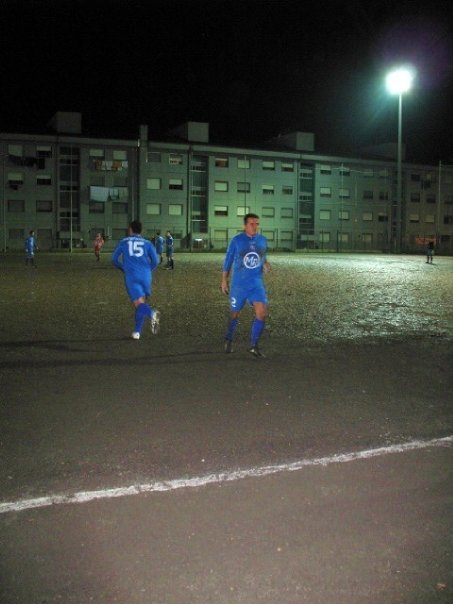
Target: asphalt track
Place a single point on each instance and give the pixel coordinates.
(164, 471)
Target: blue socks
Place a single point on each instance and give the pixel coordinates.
(231, 329)
(257, 330)
(141, 312)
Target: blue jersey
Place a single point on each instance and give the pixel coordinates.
(169, 245)
(159, 244)
(30, 245)
(246, 255)
(139, 256)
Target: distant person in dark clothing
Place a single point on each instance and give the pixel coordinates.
(430, 252)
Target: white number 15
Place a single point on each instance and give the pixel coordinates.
(136, 248)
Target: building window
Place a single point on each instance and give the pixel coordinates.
(15, 179)
(175, 159)
(244, 164)
(221, 186)
(43, 205)
(286, 236)
(153, 209)
(175, 209)
(415, 177)
(429, 218)
(305, 219)
(306, 173)
(306, 197)
(268, 165)
(343, 237)
(16, 205)
(15, 150)
(343, 215)
(270, 235)
(15, 234)
(382, 217)
(368, 195)
(119, 154)
(383, 195)
(430, 198)
(324, 237)
(267, 189)
(325, 192)
(344, 194)
(119, 207)
(384, 173)
(43, 180)
(448, 219)
(97, 153)
(43, 151)
(287, 167)
(153, 157)
(286, 213)
(154, 184)
(345, 171)
(414, 218)
(175, 184)
(243, 187)
(324, 215)
(268, 212)
(367, 216)
(368, 172)
(415, 197)
(448, 199)
(367, 238)
(96, 207)
(325, 169)
(221, 162)
(287, 190)
(242, 210)
(220, 210)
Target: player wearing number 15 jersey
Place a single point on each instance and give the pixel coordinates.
(246, 255)
(138, 260)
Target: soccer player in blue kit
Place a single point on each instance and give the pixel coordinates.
(246, 254)
(139, 259)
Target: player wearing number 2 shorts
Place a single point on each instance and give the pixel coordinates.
(137, 258)
(246, 256)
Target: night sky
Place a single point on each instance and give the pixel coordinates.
(251, 68)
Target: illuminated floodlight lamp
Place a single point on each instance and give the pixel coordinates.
(400, 80)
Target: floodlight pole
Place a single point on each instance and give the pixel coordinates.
(399, 190)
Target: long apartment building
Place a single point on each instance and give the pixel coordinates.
(68, 187)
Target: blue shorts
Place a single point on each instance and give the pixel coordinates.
(239, 296)
(137, 288)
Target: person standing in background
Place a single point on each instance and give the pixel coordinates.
(30, 248)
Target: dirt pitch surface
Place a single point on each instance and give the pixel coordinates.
(166, 471)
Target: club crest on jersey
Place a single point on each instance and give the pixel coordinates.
(251, 260)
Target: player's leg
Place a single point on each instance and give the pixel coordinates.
(259, 300)
(237, 301)
(138, 292)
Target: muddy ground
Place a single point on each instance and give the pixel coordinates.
(358, 356)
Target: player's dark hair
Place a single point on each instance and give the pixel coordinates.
(136, 226)
(250, 215)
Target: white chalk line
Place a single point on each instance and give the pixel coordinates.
(201, 481)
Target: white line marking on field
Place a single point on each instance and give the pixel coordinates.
(201, 481)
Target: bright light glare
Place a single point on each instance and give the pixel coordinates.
(400, 80)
